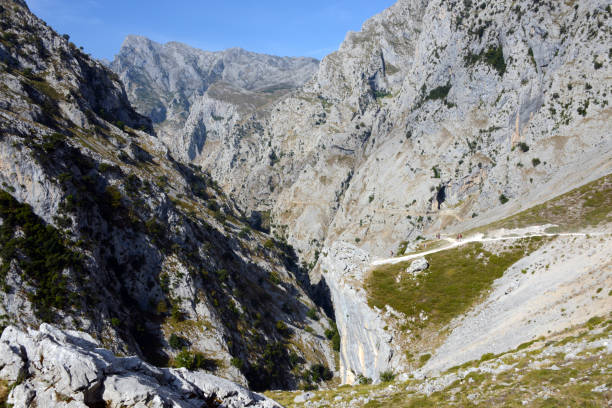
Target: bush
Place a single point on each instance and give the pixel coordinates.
(503, 199)
(237, 362)
(387, 376)
(193, 361)
(333, 335)
(40, 253)
(319, 372)
(440, 92)
(176, 342)
(269, 244)
(524, 147)
(312, 313)
(361, 379)
(222, 274)
(424, 358)
(494, 57)
(283, 329)
(535, 162)
(274, 278)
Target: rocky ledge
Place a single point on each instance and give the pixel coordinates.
(55, 368)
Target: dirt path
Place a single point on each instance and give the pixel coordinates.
(453, 243)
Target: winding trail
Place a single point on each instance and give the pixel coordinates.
(453, 243)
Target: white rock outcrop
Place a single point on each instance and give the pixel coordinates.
(56, 368)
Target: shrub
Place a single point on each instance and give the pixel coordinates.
(494, 56)
(524, 147)
(274, 278)
(535, 161)
(503, 199)
(312, 313)
(424, 358)
(237, 362)
(283, 329)
(269, 244)
(319, 372)
(40, 253)
(440, 92)
(381, 94)
(436, 172)
(361, 379)
(333, 335)
(176, 342)
(387, 376)
(193, 361)
(222, 274)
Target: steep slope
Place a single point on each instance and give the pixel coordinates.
(433, 114)
(195, 97)
(446, 304)
(101, 230)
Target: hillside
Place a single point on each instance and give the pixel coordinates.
(103, 231)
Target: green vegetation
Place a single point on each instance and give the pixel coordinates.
(237, 362)
(381, 94)
(333, 335)
(424, 358)
(440, 92)
(503, 199)
(312, 314)
(536, 162)
(494, 57)
(589, 205)
(455, 280)
(41, 254)
(194, 360)
(176, 342)
(387, 376)
(436, 172)
(523, 146)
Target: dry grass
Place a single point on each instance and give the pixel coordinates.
(586, 206)
(454, 281)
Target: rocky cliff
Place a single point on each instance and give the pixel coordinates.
(102, 230)
(195, 97)
(434, 113)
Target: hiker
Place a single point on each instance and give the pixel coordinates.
(438, 235)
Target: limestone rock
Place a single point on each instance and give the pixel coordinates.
(417, 266)
(81, 374)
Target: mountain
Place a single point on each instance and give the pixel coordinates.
(193, 96)
(102, 230)
(437, 117)
(440, 187)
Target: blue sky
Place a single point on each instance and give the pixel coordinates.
(289, 28)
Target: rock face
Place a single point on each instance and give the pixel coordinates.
(195, 97)
(424, 119)
(101, 229)
(84, 375)
(366, 347)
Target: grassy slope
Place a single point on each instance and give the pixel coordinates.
(586, 206)
(539, 373)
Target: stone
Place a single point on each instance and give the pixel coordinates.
(75, 366)
(416, 267)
